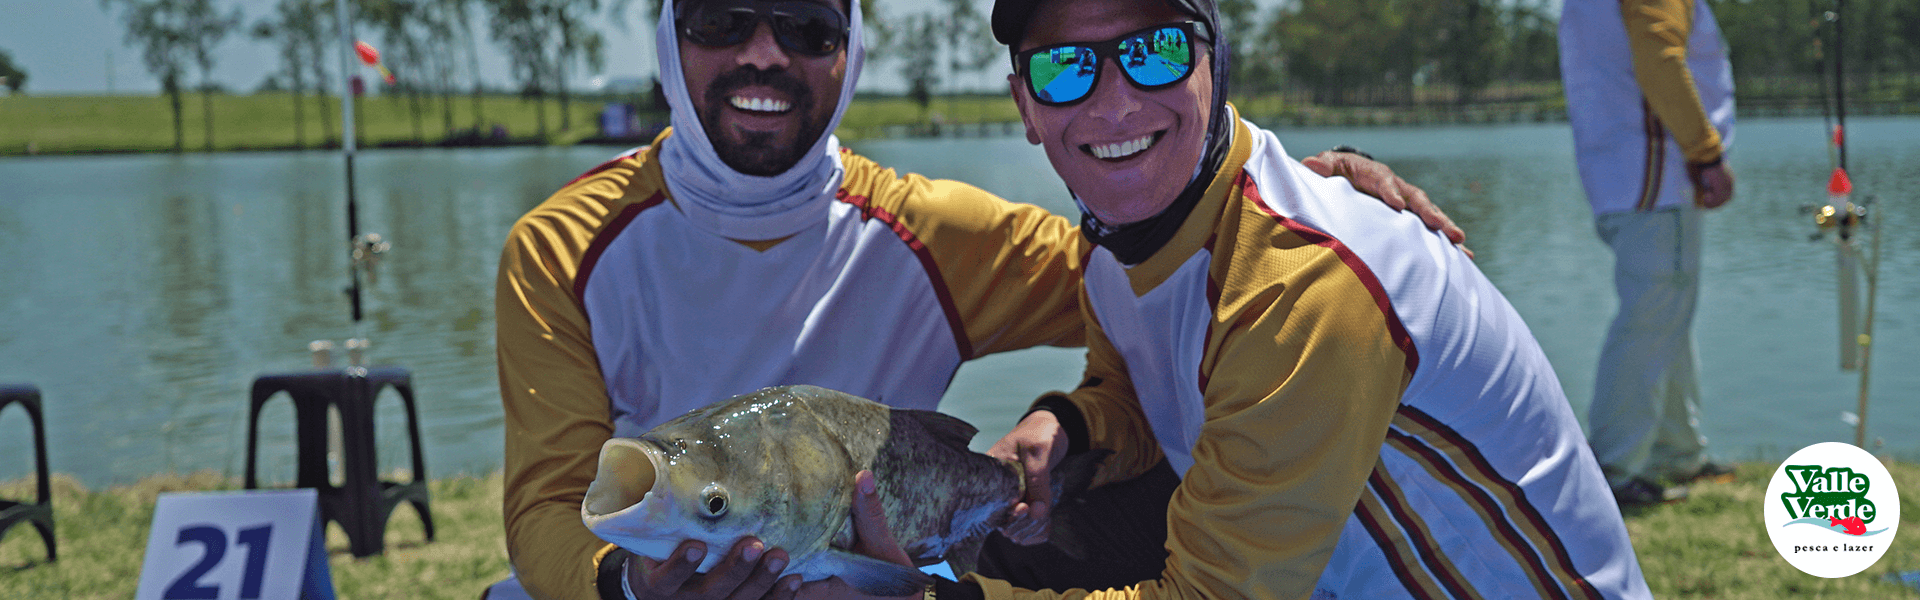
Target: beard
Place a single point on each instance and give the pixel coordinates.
(762, 153)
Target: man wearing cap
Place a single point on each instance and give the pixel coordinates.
(1352, 409)
(742, 249)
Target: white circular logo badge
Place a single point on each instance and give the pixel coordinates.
(1831, 510)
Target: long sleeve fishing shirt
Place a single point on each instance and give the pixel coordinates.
(615, 314)
(1354, 410)
(1649, 90)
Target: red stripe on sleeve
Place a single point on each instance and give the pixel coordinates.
(869, 211)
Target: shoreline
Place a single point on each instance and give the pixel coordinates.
(387, 126)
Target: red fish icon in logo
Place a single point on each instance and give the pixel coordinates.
(1853, 524)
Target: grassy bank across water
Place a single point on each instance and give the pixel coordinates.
(265, 121)
(1709, 546)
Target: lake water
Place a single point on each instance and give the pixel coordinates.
(143, 294)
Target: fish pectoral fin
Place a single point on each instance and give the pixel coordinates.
(873, 576)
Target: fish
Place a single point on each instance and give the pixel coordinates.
(778, 464)
(1851, 525)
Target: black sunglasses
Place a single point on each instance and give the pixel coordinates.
(801, 27)
(1153, 58)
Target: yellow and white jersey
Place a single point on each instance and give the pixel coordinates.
(1356, 412)
(615, 314)
(1649, 88)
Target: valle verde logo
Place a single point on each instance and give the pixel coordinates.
(1832, 510)
(1830, 497)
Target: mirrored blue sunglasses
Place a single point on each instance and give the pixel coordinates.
(1152, 58)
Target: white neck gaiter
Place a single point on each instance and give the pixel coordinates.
(732, 204)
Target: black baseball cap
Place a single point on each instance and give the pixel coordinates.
(1010, 18)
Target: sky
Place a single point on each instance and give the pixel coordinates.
(76, 47)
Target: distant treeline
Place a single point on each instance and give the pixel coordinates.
(1437, 52)
(1322, 52)
(1374, 52)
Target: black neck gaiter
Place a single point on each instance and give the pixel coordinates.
(1134, 242)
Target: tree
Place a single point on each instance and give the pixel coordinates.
(160, 29)
(205, 30)
(394, 20)
(295, 26)
(1253, 69)
(1769, 37)
(579, 43)
(11, 75)
(445, 23)
(970, 46)
(460, 11)
(1340, 46)
(1906, 21)
(1464, 34)
(1530, 43)
(319, 51)
(520, 26)
(918, 46)
(935, 47)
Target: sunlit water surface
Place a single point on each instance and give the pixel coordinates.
(143, 294)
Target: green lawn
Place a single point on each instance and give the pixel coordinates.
(103, 537)
(87, 124)
(1710, 546)
(265, 121)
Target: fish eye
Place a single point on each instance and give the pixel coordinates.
(716, 501)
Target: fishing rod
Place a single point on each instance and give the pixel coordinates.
(365, 250)
(1846, 219)
(347, 80)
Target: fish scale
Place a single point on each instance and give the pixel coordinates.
(781, 462)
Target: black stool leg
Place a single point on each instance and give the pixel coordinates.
(44, 524)
(39, 513)
(420, 498)
(363, 490)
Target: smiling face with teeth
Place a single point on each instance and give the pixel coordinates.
(1125, 151)
(762, 106)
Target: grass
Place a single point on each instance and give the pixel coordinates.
(1713, 545)
(102, 539)
(1709, 546)
(264, 121)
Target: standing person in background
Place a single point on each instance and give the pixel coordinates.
(1650, 94)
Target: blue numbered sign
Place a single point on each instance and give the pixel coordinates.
(251, 545)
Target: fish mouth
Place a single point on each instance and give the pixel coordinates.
(630, 481)
(629, 470)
